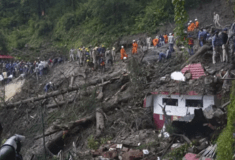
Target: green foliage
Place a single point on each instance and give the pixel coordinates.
(179, 153)
(180, 19)
(148, 145)
(226, 141)
(170, 129)
(3, 42)
(74, 23)
(94, 144)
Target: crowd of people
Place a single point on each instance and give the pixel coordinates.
(20, 69)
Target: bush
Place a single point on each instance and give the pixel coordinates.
(225, 141)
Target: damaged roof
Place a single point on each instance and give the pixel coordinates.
(196, 70)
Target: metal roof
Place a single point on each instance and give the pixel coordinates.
(196, 70)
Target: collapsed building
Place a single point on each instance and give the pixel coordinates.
(179, 99)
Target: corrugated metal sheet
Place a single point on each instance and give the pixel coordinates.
(196, 70)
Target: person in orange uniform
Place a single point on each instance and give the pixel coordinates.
(192, 26)
(196, 23)
(134, 47)
(189, 29)
(123, 53)
(155, 42)
(166, 38)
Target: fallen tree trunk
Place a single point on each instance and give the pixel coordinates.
(202, 50)
(51, 94)
(73, 124)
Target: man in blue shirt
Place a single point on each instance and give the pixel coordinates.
(216, 44)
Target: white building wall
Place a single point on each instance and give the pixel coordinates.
(181, 109)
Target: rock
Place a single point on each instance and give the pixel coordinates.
(100, 96)
(132, 155)
(188, 76)
(110, 154)
(190, 81)
(176, 145)
(191, 156)
(211, 71)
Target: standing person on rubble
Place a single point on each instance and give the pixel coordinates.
(216, 44)
(202, 36)
(148, 41)
(191, 26)
(165, 38)
(216, 20)
(113, 54)
(94, 55)
(71, 55)
(196, 23)
(162, 41)
(225, 45)
(134, 47)
(79, 56)
(108, 57)
(190, 43)
(123, 53)
(155, 41)
(171, 42)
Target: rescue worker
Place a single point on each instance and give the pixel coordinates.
(202, 37)
(196, 24)
(71, 55)
(190, 43)
(123, 54)
(113, 54)
(79, 55)
(94, 54)
(134, 47)
(216, 44)
(162, 41)
(103, 49)
(166, 38)
(161, 56)
(155, 41)
(148, 41)
(108, 57)
(171, 42)
(48, 86)
(216, 20)
(10, 150)
(225, 45)
(87, 55)
(191, 26)
(189, 29)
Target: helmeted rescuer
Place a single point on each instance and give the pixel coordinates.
(188, 29)
(191, 26)
(166, 38)
(196, 23)
(10, 150)
(155, 41)
(123, 53)
(134, 47)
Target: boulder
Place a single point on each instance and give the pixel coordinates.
(132, 155)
